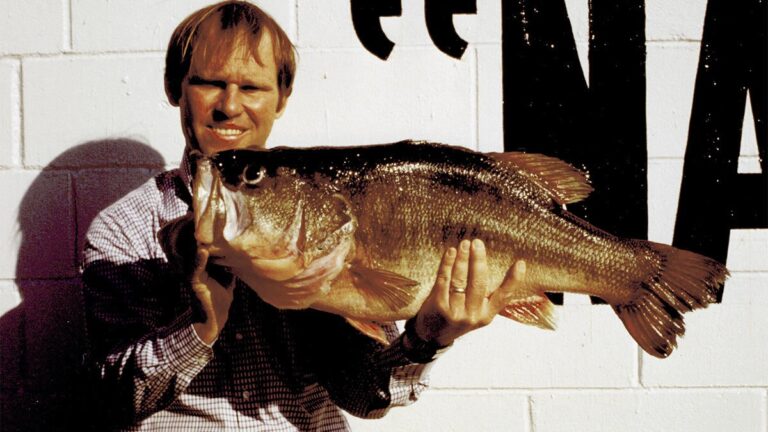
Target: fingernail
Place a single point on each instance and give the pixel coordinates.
(478, 245)
(451, 252)
(520, 268)
(464, 245)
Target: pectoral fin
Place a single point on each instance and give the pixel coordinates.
(378, 285)
(535, 310)
(370, 329)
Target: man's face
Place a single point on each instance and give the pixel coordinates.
(232, 102)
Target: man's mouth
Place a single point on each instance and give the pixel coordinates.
(226, 132)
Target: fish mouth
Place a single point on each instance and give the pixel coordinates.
(224, 226)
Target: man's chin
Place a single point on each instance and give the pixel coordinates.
(211, 148)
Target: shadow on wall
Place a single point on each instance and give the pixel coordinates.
(42, 341)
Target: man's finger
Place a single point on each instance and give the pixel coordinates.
(201, 280)
(513, 280)
(478, 277)
(457, 289)
(443, 281)
(202, 261)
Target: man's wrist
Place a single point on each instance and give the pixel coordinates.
(417, 349)
(206, 333)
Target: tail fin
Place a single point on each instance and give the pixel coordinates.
(684, 281)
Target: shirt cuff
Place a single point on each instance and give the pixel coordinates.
(396, 354)
(189, 352)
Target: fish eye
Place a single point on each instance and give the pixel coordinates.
(252, 175)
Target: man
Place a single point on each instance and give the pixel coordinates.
(216, 353)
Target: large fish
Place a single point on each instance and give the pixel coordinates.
(377, 219)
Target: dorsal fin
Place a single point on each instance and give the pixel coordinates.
(565, 183)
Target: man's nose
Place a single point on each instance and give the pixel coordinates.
(230, 104)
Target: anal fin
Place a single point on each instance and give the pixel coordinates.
(536, 310)
(370, 329)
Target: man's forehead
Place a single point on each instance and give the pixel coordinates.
(216, 48)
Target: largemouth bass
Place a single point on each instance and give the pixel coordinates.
(381, 216)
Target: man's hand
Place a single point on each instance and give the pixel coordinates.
(214, 299)
(460, 301)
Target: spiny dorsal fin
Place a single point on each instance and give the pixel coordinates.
(535, 310)
(565, 183)
(392, 289)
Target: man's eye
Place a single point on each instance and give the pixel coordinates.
(249, 88)
(197, 81)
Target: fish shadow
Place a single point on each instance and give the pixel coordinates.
(43, 347)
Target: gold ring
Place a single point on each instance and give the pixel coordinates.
(458, 290)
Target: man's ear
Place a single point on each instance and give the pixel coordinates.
(173, 99)
(282, 103)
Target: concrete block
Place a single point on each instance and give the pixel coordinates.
(590, 348)
(10, 111)
(724, 345)
(325, 25)
(749, 155)
(38, 235)
(34, 26)
(748, 250)
(671, 76)
(13, 404)
(642, 411)
(664, 180)
(483, 27)
(674, 20)
(9, 297)
(329, 25)
(350, 97)
(78, 100)
(746, 289)
(578, 15)
(130, 25)
(453, 412)
(96, 189)
(54, 348)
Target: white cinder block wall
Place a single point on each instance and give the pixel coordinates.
(83, 119)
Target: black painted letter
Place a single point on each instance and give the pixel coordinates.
(439, 14)
(548, 107)
(714, 197)
(366, 16)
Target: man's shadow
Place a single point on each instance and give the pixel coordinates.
(42, 341)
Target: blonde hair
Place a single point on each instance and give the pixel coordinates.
(237, 19)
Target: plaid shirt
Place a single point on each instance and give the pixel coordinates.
(269, 369)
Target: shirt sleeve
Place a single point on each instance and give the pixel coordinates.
(362, 376)
(407, 379)
(144, 350)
